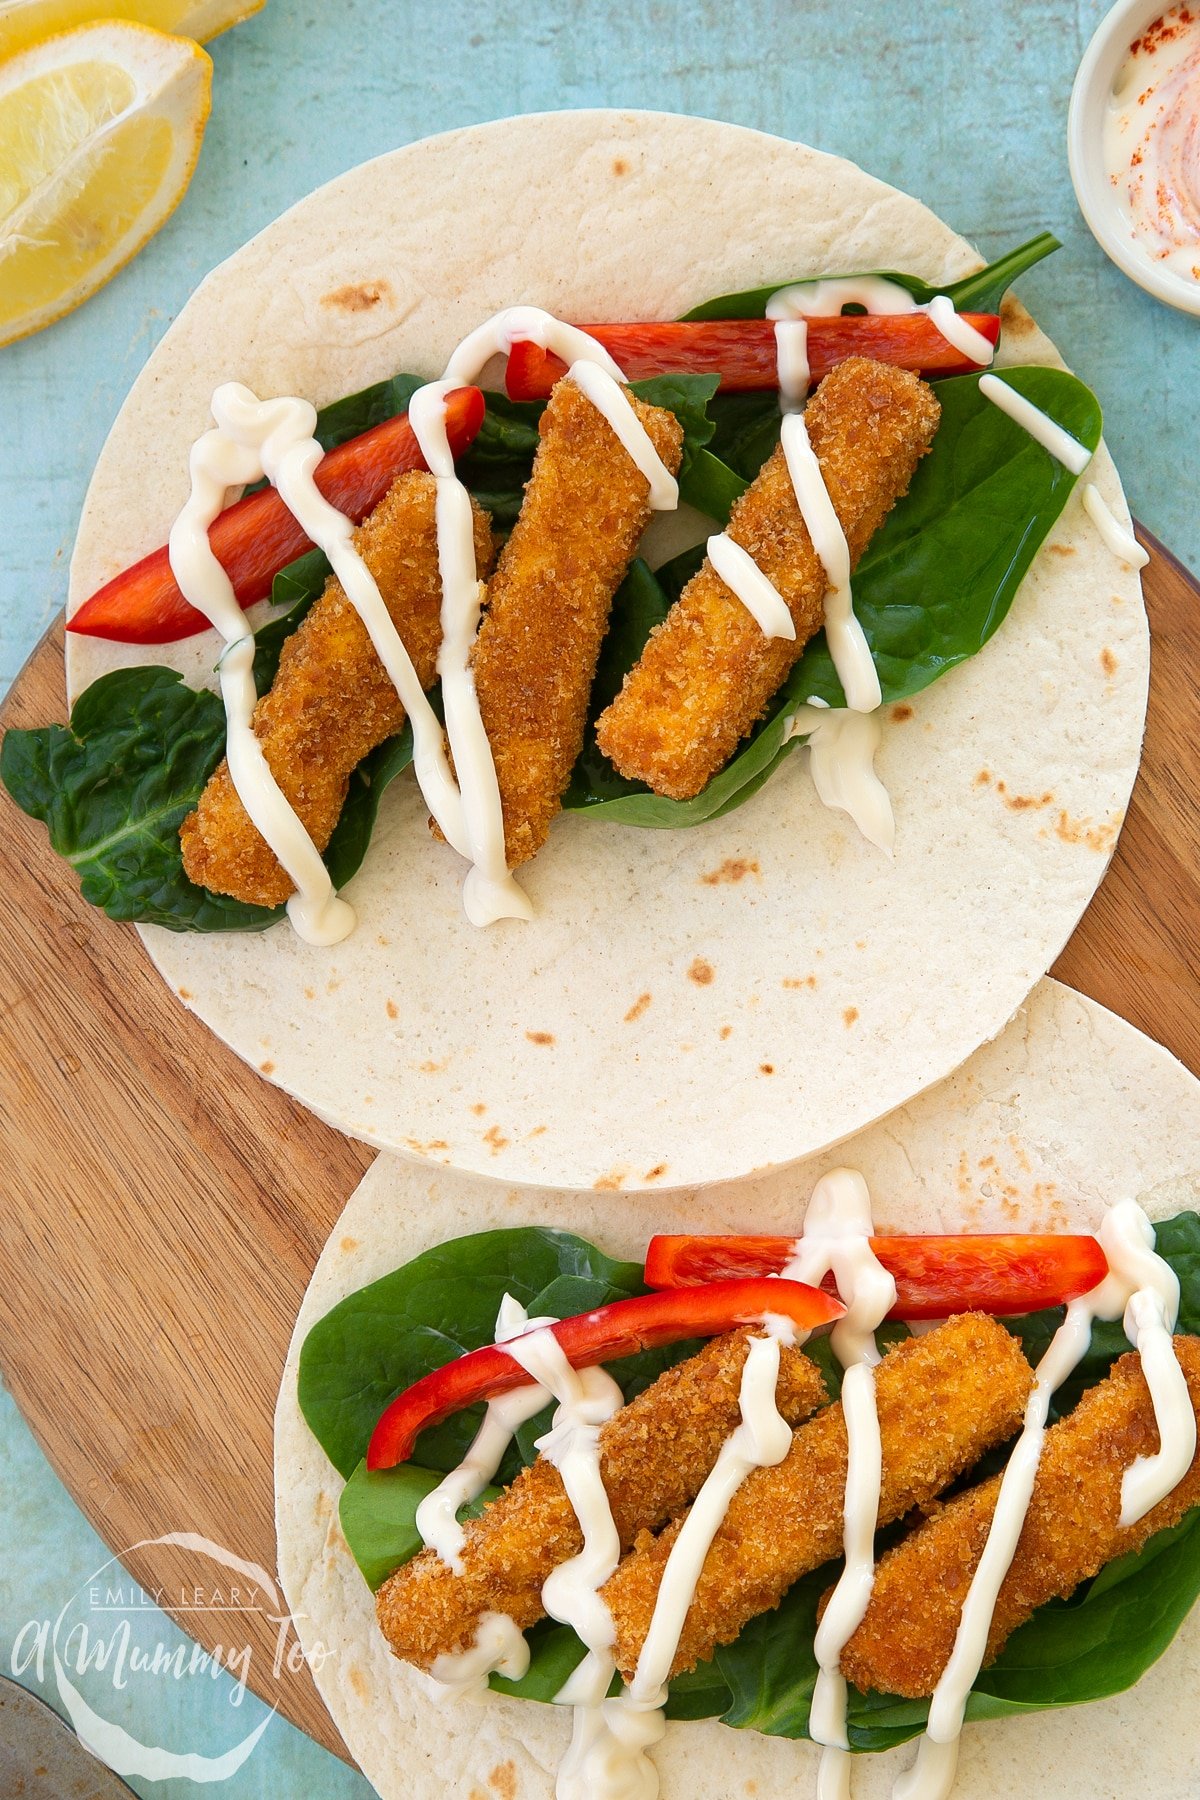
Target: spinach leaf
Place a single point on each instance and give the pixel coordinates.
(113, 788)
(1097, 1643)
(980, 292)
(935, 583)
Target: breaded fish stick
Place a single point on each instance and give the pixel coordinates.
(585, 507)
(654, 1455)
(943, 1400)
(332, 700)
(1071, 1531)
(708, 672)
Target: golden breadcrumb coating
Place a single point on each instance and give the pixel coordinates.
(654, 1456)
(1072, 1529)
(708, 672)
(585, 507)
(332, 700)
(943, 1400)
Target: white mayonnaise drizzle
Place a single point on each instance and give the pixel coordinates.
(587, 1399)
(231, 455)
(1143, 1289)
(847, 643)
(842, 747)
(826, 298)
(791, 362)
(498, 1648)
(608, 1757)
(876, 294)
(1044, 430)
(743, 577)
(437, 1515)
(837, 1240)
(959, 331)
(1122, 543)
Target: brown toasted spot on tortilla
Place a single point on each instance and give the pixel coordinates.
(1108, 661)
(766, 1068)
(850, 1016)
(733, 869)
(479, 1108)
(620, 165)
(268, 1068)
(382, 941)
(185, 993)
(1015, 320)
(358, 296)
(983, 778)
(495, 1139)
(348, 1244)
(392, 1010)
(963, 1174)
(1061, 549)
(358, 1681)
(503, 1780)
(1084, 831)
(540, 1037)
(1023, 802)
(901, 712)
(434, 1068)
(656, 1173)
(310, 993)
(726, 1031)
(538, 1131)
(333, 984)
(323, 1507)
(637, 1009)
(795, 982)
(610, 1184)
(752, 1788)
(701, 972)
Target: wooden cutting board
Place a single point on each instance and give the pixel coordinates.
(162, 1206)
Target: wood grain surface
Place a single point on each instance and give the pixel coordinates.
(162, 1206)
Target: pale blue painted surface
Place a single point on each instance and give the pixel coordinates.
(965, 108)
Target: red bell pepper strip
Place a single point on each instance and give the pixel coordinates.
(258, 536)
(742, 351)
(935, 1276)
(596, 1337)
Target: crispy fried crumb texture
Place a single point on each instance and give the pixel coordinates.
(943, 1399)
(654, 1456)
(708, 673)
(1071, 1531)
(332, 701)
(585, 507)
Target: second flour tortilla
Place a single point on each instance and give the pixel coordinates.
(687, 1006)
(1068, 1110)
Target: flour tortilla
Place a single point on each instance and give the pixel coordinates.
(661, 1024)
(1069, 1109)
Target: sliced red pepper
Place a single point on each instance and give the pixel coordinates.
(742, 351)
(935, 1276)
(596, 1337)
(258, 536)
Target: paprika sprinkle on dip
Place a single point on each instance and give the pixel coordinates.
(1152, 141)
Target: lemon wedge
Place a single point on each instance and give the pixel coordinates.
(100, 129)
(25, 22)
